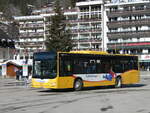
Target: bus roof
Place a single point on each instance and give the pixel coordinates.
(96, 52)
(89, 52)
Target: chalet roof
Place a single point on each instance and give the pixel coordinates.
(11, 62)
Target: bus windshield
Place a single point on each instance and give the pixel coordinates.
(44, 66)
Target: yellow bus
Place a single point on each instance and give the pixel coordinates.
(78, 69)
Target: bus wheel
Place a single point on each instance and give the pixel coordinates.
(118, 82)
(78, 85)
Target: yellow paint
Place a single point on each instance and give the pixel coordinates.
(99, 83)
(57, 83)
(65, 82)
(129, 77)
(50, 83)
(89, 52)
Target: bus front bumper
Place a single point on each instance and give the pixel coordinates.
(44, 83)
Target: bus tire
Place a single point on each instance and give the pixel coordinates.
(118, 82)
(78, 84)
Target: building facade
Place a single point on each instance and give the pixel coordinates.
(129, 28)
(119, 26)
(85, 23)
(87, 26)
(31, 37)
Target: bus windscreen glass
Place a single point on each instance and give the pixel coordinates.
(44, 66)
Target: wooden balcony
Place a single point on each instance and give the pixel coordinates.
(129, 34)
(119, 13)
(128, 23)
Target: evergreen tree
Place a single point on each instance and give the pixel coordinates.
(73, 3)
(59, 38)
(3, 5)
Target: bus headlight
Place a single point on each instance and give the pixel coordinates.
(53, 84)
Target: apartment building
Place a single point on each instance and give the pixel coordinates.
(129, 28)
(85, 23)
(87, 26)
(31, 36)
(120, 26)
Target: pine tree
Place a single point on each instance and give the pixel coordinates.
(73, 3)
(59, 38)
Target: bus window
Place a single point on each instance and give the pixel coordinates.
(107, 67)
(98, 66)
(79, 66)
(45, 69)
(117, 66)
(66, 67)
(37, 68)
(135, 64)
(91, 67)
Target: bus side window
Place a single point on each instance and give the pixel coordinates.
(135, 65)
(66, 68)
(91, 67)
(79, 66)
(98, 68)
(118, 66)
(76, 67)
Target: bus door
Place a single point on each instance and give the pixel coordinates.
(65, 72)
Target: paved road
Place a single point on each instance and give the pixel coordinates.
(16, 98)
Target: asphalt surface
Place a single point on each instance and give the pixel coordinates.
(15, 97)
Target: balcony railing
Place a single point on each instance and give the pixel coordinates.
(128, 23)
(30, 26)
(31, 34)
(83, 20)
(92, 40)
(125, 13)
(82, 31)
(129, 34)
(129, 45)
(33, 44)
